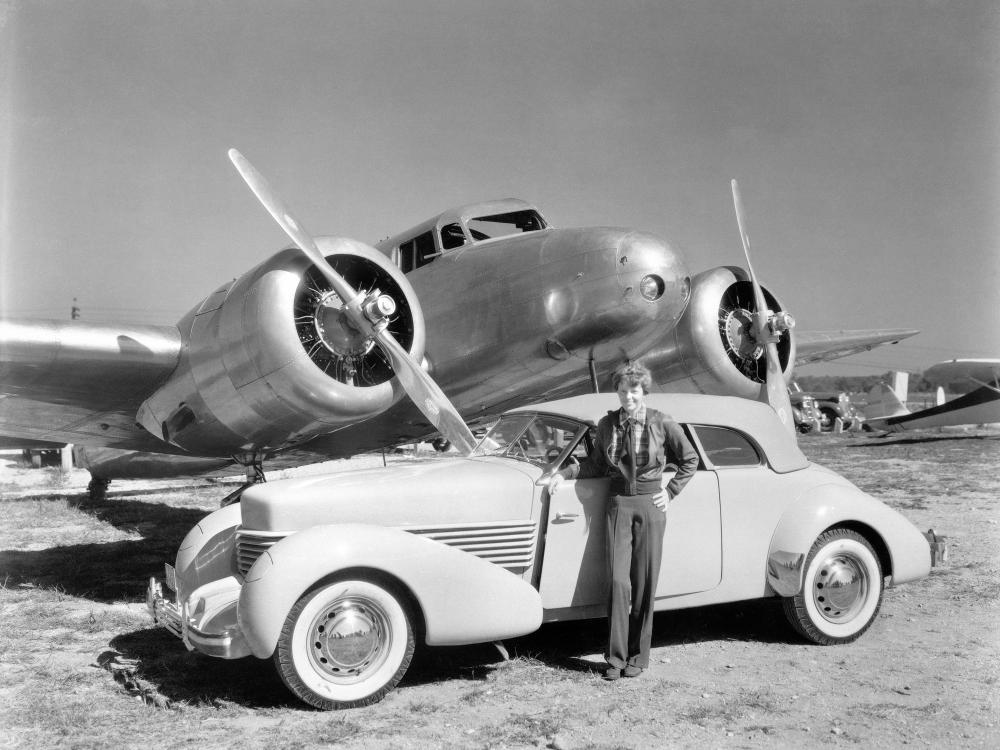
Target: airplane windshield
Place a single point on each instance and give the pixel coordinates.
(501, 225)
(538, 439)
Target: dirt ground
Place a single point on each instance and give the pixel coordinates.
(81, 667)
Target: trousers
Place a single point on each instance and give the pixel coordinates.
(634, 550)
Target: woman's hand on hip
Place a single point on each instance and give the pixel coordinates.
(661, 500)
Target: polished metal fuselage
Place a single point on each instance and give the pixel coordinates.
(514, 318)
(508, 320)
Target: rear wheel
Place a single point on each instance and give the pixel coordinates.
(345, 644)
(842, 590)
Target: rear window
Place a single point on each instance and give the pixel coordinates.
(724, 447)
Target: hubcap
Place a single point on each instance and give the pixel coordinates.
(349, 638)
(840, 587)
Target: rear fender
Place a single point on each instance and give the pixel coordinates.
(463, 599)
(889, 532)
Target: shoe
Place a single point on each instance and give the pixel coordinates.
(612, 673)
(631, 671)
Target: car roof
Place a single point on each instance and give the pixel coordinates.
(754, 418)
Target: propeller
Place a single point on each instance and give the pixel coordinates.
(368, 313)
(767, 328)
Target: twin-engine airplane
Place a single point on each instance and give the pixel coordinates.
(308, 356)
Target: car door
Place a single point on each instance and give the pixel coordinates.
(574, 569)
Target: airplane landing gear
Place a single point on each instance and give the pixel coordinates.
(253, 464)
(97, 489)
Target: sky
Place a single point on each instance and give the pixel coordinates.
(864, 136)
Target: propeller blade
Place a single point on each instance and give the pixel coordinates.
(426, 394)
(419, 386)
(774, 392)
(280, 213)
(758, 293)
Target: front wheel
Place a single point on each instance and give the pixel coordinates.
(842, 590)
(827, 418)
(345, 644)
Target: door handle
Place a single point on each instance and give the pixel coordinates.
(565, 517)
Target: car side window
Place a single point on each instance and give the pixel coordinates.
(724, 447)
(582, 449)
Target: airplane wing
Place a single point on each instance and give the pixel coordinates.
(981, 406)
(69, 381)
(977, 370)
(822, 346)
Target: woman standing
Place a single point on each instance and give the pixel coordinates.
(633, 445)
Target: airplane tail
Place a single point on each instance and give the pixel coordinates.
(882, 404)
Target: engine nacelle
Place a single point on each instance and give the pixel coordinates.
(271, 360)
(711, 349)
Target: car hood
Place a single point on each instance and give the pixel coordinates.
(459, 490)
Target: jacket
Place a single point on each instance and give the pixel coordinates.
(667, 445)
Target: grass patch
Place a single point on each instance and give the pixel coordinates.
(731, 709)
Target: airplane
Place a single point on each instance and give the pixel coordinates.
(886, 408)
(331, 347)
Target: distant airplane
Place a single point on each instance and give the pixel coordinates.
(308, 356)
(886, 409)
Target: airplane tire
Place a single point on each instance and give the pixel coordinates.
(841, 592)
(345, 644)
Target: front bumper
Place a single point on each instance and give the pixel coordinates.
(205, 621)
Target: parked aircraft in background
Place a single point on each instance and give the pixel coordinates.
(886, 408)
(308, 355)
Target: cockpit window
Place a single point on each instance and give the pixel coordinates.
(452, 236)
(417, 252)
(501, 225)
(539, 439)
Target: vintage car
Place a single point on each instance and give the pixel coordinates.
(832, 405)
(336, 578)
(805, 412)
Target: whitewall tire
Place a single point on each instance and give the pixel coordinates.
(345, 644)
(841, 590)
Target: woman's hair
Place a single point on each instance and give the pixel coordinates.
(632, 374)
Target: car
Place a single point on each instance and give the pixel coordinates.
(805, 412)
(338, 578)
(836, 405)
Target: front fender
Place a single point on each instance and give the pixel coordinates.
(838, 505)
(463, 598)
(208, 551)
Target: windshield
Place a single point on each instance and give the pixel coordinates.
(539, 439)
(501, 225)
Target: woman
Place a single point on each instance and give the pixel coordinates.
(633, 445)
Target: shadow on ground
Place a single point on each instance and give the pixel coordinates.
(185, 677)
(106, 571)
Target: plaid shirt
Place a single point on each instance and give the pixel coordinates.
(662, 435)
(640, 437)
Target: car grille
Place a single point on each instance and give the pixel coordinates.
(252, 544)
(509, 544)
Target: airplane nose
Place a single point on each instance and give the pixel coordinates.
(653, 277)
